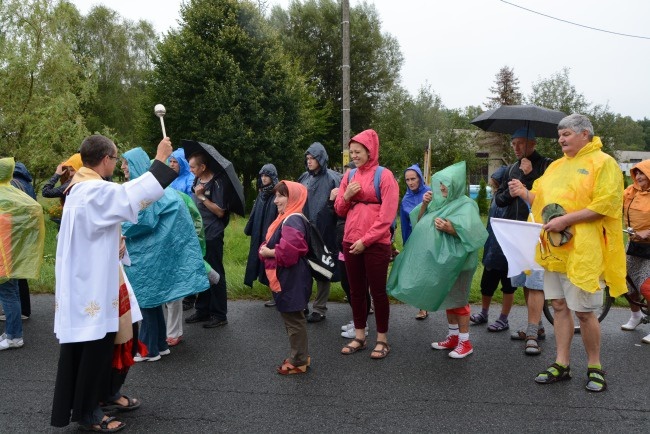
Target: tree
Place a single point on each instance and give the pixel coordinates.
(41, 84)
(557, 93)
(225, 80)
(311, 34)
(505, 90)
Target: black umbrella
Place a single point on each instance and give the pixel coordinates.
(234, 195)
(509, 118)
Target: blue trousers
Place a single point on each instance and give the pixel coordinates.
(153, 330)
(10, 298)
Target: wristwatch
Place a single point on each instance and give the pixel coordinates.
(202, 199)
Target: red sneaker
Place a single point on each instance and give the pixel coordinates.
(463, 350)
(448, 344)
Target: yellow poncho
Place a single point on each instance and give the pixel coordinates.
(22, 229)
(591, 180)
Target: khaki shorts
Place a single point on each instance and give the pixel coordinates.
(557, 286)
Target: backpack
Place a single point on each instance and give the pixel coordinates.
(376, 181)
(321, 261)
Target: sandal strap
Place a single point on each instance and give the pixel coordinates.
(596, 375)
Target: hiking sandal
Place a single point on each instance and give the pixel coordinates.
(352, 349)
(498, 326)
(596, 381)
(478, 318)
(520, 335)
(549, 376)
(532, 347)
(385, 349)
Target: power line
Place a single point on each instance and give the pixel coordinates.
(575, 24)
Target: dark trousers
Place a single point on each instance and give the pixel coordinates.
(296, 326)
(368, 270)
(346, 285)
(25, 303)
(214, 300)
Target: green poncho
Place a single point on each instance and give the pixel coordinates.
(424, 274)
(22, 229)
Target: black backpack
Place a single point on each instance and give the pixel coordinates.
(321, 261)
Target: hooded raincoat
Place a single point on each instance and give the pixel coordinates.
(22, 229)
(289, 273)
(636, 201)
(410, 200)
(319, 184)
(589, 180)
(166, 259)
(185, 178)
(23, 180)
(426, 273)
(263, 213)
(367, 219)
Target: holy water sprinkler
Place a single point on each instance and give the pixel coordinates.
(159, 110)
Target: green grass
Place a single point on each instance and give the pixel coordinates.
(235, 255)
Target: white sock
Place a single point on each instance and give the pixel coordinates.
(453, 330)
(462, 337)
(636, 315)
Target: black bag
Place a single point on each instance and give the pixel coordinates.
(641, 250)
(321, 261)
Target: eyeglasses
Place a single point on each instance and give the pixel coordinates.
(113, 158)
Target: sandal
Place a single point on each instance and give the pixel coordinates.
(103, 426)
(498, 326)
(478, 318)
(520, 335)
(553, 374)
(385, 349)
(596, 381)
(351, 349)
(532, 347)
(423, 314)
(132, 404)
(288, 369)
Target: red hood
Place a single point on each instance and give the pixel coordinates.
(370, 140)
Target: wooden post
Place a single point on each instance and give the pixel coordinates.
(345, 70)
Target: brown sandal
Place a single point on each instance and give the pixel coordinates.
(385, 349)
(352, 349)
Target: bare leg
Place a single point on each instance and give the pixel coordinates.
(508, 299)
(563, 330)
(463, 323)
(590, 332)
(535, 303)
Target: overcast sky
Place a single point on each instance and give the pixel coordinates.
(457, 46)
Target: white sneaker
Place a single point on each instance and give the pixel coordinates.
(165, 352)
(348, 326)
(3, 317)
(351, 333)
(140, 358)
(646, 340)
(632, 323)
(7, 344)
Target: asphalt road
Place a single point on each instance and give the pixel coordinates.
(224, 380)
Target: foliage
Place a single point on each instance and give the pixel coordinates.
(41, 84)
(481, 198)
(225, 80)
(505, 90)
(311, 33)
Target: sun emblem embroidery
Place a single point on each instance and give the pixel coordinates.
(144, 204)
(92, 309)
(116, 303)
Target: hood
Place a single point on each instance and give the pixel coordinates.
(270, 171)
(499, 175)
(454, 177)
(138, 162)
(74, 161)
(7, 166)
(295, 204)
(422, 187)
(21, 172)
(317, 150)
(643, 167)
(370, 140)
(183, 165)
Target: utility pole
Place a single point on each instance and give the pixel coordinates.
(345, 70)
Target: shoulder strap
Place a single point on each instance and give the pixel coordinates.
(378, 181)
(297, 213)
(351, 174)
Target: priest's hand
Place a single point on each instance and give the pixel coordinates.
(164, 150)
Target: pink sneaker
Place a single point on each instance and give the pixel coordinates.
(448, 344)
(463, 350)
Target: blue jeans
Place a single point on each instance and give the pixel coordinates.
(153, 330)
(10, 298)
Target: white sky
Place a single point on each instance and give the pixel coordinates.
(457, 46)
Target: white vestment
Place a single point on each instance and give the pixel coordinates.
(518, 241)
(87, 255)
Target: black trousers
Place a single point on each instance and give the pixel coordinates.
(214, 300)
